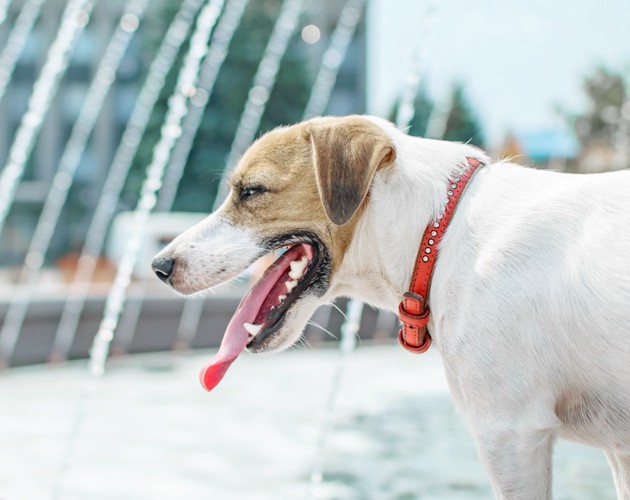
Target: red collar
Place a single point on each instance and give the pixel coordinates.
(414, 308)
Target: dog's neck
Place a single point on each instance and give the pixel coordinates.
(378, 264)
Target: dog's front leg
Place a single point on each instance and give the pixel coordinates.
(620, 465)
(518, 462)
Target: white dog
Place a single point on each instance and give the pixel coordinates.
(530, 297)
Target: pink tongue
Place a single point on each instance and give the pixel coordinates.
(233, 343)
(236, 337)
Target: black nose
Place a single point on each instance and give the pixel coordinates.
(163, 267)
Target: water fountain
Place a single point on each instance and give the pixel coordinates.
(171, 130)
(106, 206)
(406, 111)
(333, 57)
(172, 176)
(264, 80)
(70, 159)
(208, 74)
(4, 7)
(17, 38)
(74, 18)
(178, 104)
(163, 61)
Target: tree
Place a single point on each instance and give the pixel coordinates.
(462, 124)
(606, 92)
(423, 107)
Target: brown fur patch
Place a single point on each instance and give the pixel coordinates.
(315, 177)
(345, 157)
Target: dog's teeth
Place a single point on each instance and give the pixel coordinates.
(282, 297)
(297, 267)
(252, 329)
(290, 285)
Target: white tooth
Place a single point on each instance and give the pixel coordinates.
(290, 285)
(297, 268)
(252, 329)
(282, 297)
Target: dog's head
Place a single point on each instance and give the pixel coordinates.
(302, 188)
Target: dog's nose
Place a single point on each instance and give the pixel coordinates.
(163, 267)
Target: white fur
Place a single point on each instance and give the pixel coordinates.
(211, 252)
(530, 301)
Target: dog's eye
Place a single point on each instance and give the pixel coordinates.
(249, 191)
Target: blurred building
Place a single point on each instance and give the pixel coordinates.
(601, 156)
(550, 149)
(558, 150)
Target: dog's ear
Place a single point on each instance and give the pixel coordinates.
(345, 157)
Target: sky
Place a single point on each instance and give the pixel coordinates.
(518, 59)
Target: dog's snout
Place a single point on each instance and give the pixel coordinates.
(163, 267)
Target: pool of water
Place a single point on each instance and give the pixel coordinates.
(150, 431)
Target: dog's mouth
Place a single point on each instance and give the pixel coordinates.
(303, 269)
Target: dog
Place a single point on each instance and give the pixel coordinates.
(530, 296)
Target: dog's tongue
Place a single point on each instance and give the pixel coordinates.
(236, 337)
(233, 343)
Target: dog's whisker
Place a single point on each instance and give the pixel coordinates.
(305, 343)
(317, 325)
(332, 304)
(296, 347)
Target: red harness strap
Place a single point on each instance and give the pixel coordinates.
(414, 308)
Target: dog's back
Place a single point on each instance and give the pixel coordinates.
(540, 291)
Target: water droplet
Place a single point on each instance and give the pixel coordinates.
(129, 23)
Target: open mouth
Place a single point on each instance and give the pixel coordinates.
(304, 268)
(301, 268)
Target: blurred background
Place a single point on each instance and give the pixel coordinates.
(120, 121)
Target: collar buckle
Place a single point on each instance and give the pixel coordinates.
(416, 349)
